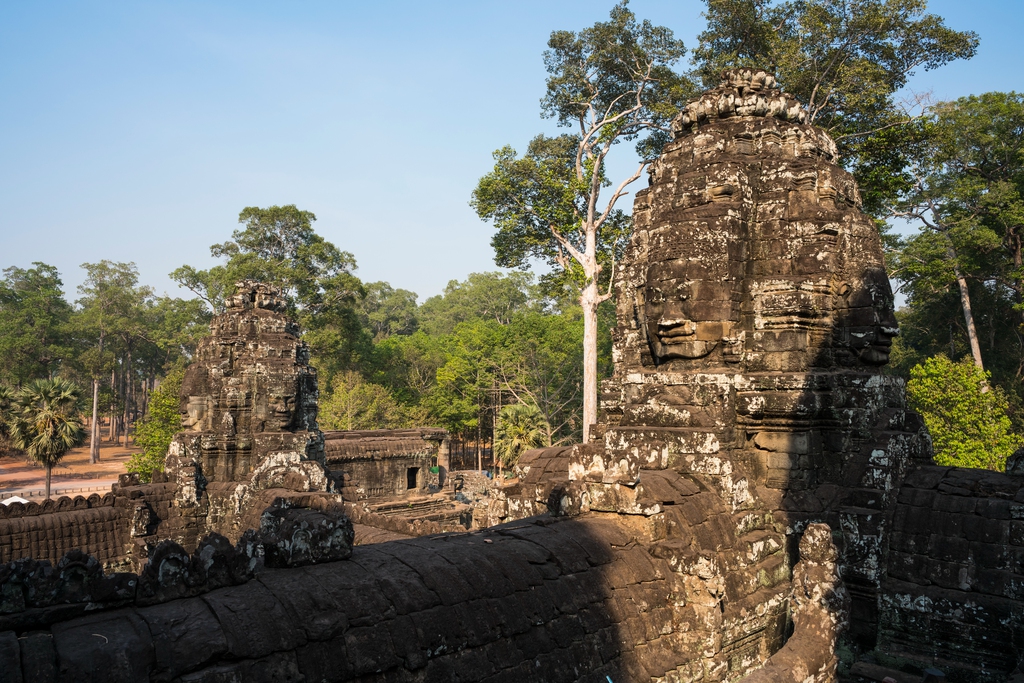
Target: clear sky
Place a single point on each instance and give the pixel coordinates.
(138, 131)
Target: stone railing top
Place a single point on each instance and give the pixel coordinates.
(293, 531)
(62, 504)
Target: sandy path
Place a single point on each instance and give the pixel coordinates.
(74, 476)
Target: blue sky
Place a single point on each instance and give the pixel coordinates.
(138, 131)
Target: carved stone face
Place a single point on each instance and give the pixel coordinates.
(684, 318)
(867, 321)
(196, 410)
(281, 408)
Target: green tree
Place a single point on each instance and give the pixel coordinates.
(520, 427)
(157, 429)
(175, 326)
(407, 365)
(968, 423)
(355, 403)
(465, 383)
(612, 82)
(537, 361)
(6, 400)
(482, 296)
(45, 421)
(278, 246)
(35, 339)
(487, 342)
(387, 311)
(110, 307)
(968, 202)
(847, 61)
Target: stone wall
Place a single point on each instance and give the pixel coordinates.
(47, 530)
(543, 477)
(953, 597)
(293, 531)
(570, 600)
(373, 464)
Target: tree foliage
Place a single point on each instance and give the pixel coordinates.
(967, 201)
(157, 429)
(357, 404)
(387, 311)
(847, 61)
(487, 342)
(35, 334)
(45, 421)
(279, 246)
(520, 427)
(612, 82)
(969, 425)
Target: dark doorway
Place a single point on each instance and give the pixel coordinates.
(411, 476)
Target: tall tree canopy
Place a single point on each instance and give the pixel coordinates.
(278, 246)
(847, 60)
(111, 308)
(964, 271)
(387, 311)
(35, 334)
(612, 82)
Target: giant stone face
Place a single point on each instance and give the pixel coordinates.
(754, 313)
(751, 251)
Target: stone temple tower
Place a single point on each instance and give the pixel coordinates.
(249, 409)
(754, 321)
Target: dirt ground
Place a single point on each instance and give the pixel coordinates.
(74, 475)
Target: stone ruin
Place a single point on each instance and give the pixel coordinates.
(395, 482)
(250, 406)
(758, 504)
(250, 447)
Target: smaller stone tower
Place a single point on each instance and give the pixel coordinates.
(249, 408)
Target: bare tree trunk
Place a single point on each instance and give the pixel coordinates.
(113, 391)
(127, 383)
(49, 469)
(589, 300)
(94, 436)
(1018, 261)
(479, 451)
(94, 428)
(965, 303)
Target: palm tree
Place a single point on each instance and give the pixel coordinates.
(6, 397)
(45, 421)
(520, 427)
